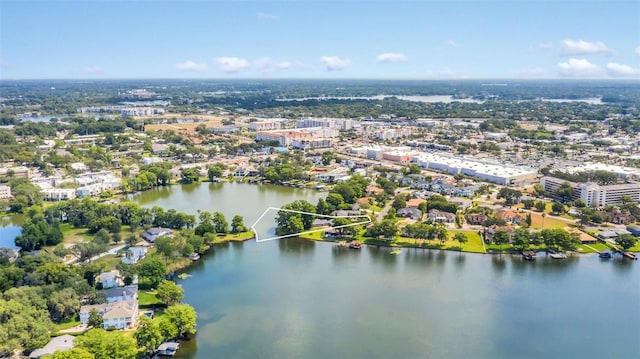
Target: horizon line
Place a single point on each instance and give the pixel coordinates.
(326, 79)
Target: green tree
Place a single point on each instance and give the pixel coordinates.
(153, 270)
(95, 319)
(292, 222)
(220, 223)
(73, 353)
(565, 191)
(557, 207)
(461, 238)
(183, 316)
(237, 224)
(214, 172)
(23, 325)
(107, 345)
(148, 334)
(511, 196)
(189, 175)
(540, 206)
(500, 238)
(399, 202)
(169, 293)
(626, 241)
(167, 329)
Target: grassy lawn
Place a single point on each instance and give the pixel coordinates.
(147, 298)
(316, 236)
(242, 236)
(73, 235)
(375, 208)
(549, 221)
(598, 247)
(109, 261)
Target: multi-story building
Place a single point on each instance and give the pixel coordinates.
(5, 192)
(593, 194)
(265, 125)
(286, 137)
(339, 123)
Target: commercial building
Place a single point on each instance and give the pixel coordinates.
(489, 171)
(312, 143)
(593, 194)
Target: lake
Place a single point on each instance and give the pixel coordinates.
(294, 298)
(10, 228)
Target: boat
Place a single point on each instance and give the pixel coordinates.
(342, 244)
(630, 255)
(529, 255)
(194, 256)
(558, 255)
(397, 251)
(355, 245)
(605, 255)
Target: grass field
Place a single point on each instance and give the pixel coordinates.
(147, 298)
(549, 221)
(109, 261)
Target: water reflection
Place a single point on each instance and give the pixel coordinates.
(382, 255)
(498, 262)
(296, 246)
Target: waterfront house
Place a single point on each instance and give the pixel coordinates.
(151, 234)
(118, 315)
(134, 254)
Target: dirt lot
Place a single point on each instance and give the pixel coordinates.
(207, 120)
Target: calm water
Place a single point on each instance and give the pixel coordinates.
(10, 228)
(300, 299)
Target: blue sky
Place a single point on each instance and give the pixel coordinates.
(319, 39)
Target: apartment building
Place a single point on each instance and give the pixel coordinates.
(593, 194)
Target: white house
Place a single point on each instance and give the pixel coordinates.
(119, 315)
(134, 254)
(110, 279)
(151, 234)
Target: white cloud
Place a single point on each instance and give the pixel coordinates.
(637, 52)
(266, 16)
(191, 66)
(452, 43)
(580, 47)
(391, 58)
(266, 65)
(335, 63)
(578, 68)
(232, 64)
(620, 70)
(94, 70)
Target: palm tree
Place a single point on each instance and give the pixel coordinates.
(543, 215)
